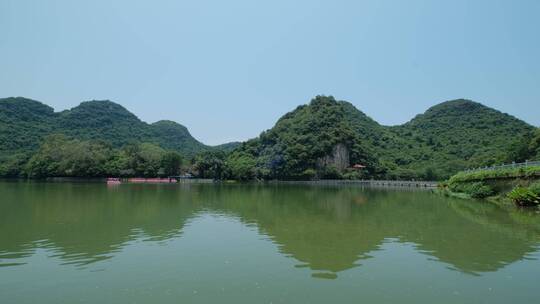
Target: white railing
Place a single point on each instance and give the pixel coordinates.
(506, 166)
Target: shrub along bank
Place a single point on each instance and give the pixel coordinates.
(520, 186)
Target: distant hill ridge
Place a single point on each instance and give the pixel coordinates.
(24, 122)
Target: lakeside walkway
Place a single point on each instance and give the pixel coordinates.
(371, 183)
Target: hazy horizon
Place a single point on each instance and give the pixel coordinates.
(229, 70)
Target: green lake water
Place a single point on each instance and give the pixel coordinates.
(93, 243)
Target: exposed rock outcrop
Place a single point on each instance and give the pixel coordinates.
(339, 158)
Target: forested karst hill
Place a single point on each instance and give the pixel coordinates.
(459, 134)
(304, 143)
(322, 139)
(25, 122)
(448, 137)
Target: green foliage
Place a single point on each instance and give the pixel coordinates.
(446, 139)
(430, 173)
(474, 183)
(479, 190)
(13, 165)
(534, 146)
(299, 141)
(227, 147)
(523, 172)
(173, 136)
(352, 175)
(242, 166)
(535, 188)
(309, 174)
(171, 162)
(522, 196)
(476, 190)
(63, 157)
(456, 135)
(59, 156)
(331, 172)
(149, 160)
(211, 164)
(24, 123)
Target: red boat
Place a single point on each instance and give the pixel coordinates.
(151, 180)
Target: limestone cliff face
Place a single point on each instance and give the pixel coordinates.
(339, 158)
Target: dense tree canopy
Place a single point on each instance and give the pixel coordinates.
(533, 149)
(323, 139)
(171, 162)
(61, 156)
(210, 164)
(295, 147)
(456, 135)
(24, 123)
(447, 138)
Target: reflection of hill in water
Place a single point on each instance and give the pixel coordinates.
(327, 229)
(88, 222)
(314, 227)
(331, 228)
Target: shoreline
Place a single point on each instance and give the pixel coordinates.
(139, 180)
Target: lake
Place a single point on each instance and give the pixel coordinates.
(143, 243)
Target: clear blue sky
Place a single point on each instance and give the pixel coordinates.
(228, 69)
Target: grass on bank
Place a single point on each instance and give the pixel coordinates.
(486, 184)
(521, 172)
